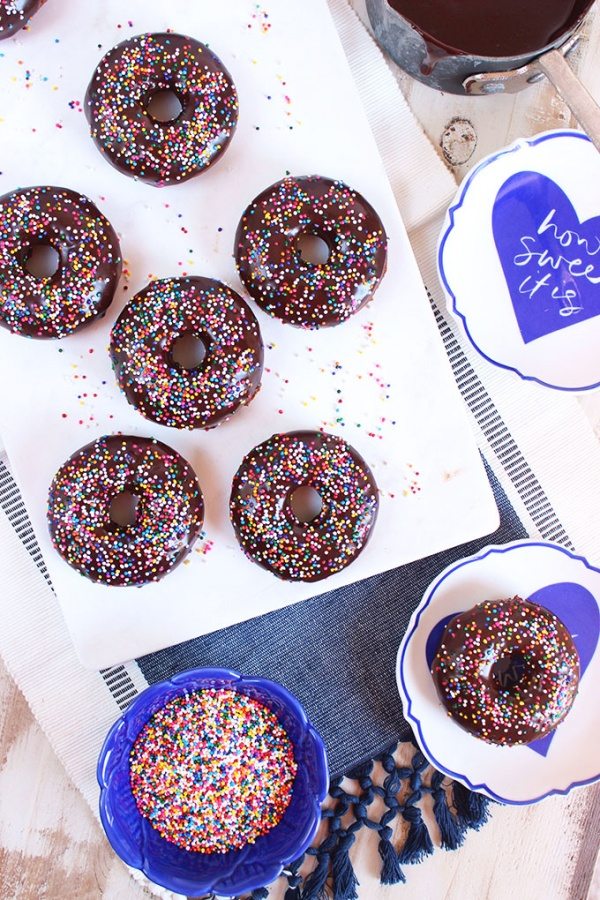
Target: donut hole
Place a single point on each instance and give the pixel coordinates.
(164, 106)
(188, 351)
(42, 261)
(306, 504)
(123, 509)
(313, 248)
(508, 671)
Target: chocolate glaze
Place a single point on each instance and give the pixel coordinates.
(135, 143)
(270, 263)
(490, 27)
(261, 510)
(169, 512)
(89, 268)
(141, 350)
(507, 671)
(14, 15)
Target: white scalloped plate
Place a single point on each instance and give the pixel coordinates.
(519, 260)
(569, 758)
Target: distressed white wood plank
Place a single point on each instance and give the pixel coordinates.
(50, 844)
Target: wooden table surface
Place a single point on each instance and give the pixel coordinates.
(52, 847)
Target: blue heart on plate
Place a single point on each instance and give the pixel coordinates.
(576, 608)
(551, 260)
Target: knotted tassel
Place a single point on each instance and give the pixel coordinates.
(260, 894)
(418, 842)
(344, 879)
(391, 873)
(314, 884)
(451, 832)
(294, 880)
(472, 809)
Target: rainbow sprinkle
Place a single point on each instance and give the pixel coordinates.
(212, 771)
(14, 14)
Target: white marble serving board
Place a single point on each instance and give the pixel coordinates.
(381, 380)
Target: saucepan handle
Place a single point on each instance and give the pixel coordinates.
(555, 67)
(583, 106)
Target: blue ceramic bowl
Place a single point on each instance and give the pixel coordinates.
(141, 846)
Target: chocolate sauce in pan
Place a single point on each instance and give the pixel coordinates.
(492, 27)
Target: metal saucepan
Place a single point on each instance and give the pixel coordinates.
(457, 71)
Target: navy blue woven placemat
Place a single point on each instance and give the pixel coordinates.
(336, 652)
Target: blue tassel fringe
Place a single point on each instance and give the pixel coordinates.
(315, 884)
(452, 832)
(472, 809)
(344, 879)
(418, 841)
(455, 808)
(391, 871)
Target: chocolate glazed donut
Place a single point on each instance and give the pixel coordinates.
(15, 14)
(262, 505)
(136, 143)
(270, 260)
(142, 351)
(89, 262)
(507, 671)
(168, 516)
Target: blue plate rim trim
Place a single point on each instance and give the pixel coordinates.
(449, 227)
(413, 626)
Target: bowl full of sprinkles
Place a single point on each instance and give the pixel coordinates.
(212, 782)
(212, 771)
